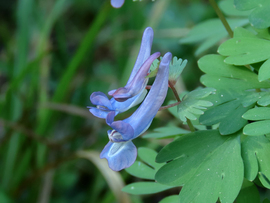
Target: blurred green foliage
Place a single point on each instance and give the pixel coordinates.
(53, 55)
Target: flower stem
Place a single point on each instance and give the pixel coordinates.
(169, 106)
(191, 127)
(221, 17)
(174, 92)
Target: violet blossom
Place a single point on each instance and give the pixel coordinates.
(105, 105)
(120, 151)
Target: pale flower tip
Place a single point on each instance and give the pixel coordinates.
(149, 32)
(117, 3)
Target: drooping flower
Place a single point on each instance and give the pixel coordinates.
(117, 3)
(120, 152)
(105, 105)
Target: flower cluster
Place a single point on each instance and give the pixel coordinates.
(120, 151)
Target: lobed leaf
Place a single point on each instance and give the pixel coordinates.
(257, 128)
(192, 105)
(243, 51)
(203, 161)
(259, 16)
(255, 114)
(220, 75)
(176, 68)
(228, 8)
(227, 111)
(255, 153)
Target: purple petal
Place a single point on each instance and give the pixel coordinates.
(100, 99)
(144, 52)
(119, 155)
(98, 112)
(111, 92)
(117, 3)
(143, 116)
(138, 83)
(122, 131)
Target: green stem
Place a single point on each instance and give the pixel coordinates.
(221, 17)
(191, 127)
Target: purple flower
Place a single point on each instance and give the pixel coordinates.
(117, 3)
(120, 151)
(104, 105)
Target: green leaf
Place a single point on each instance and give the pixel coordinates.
(227, 111)
(165, 132)
(146, 170)
(244, 5)
(233, 122)
(176, 68)
(255, 114)
(141, 188)
(248, 193)
(153, 69)
(192, 104)
(170, 199)
(207, 164)
(149, 157)
(255, 153)
(218, 113)
(264, 71)
(210, 32)
(228, 8)
(259, 17)
(221, 75)
(251, 98)
(245, 50)
(141, 170)
(257, 128)
(264, 100)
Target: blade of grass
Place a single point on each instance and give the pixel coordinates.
(24, 11)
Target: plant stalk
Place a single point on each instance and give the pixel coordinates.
(221, 17)
(191, 127)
